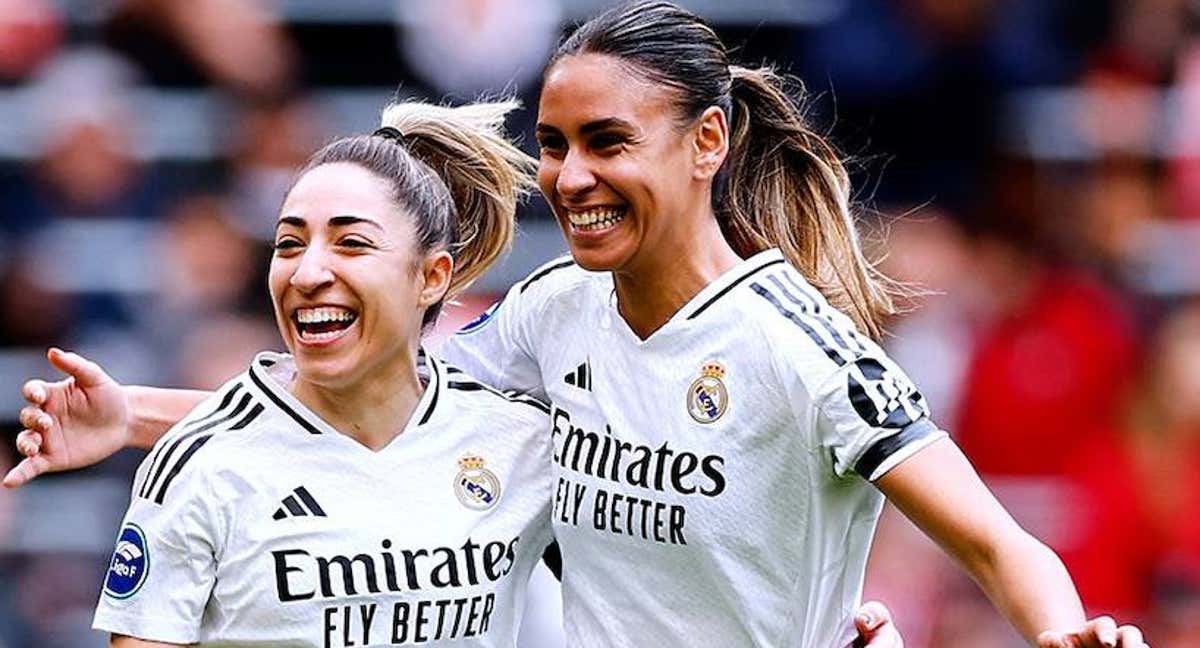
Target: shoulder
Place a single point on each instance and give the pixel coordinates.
(796, 319)
(189, 454)
(555, 277)
(481, 399)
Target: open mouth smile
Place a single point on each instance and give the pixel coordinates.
(596, 219)
(322, 324)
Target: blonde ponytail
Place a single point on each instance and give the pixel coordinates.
(787, 188)
(486, 174)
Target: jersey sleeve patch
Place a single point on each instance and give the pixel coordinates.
(129, 565)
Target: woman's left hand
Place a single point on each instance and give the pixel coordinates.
(1101, 632)
(875, 627)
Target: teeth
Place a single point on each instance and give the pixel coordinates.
(595, 219)
(323, 315)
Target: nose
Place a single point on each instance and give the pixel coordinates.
(575, 176)
(313, 272)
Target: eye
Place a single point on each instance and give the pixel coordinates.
(551, 143)
(607, 141)
(287, 243)
(354, 242)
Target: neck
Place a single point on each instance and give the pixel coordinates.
(372, 411)
(651, 291)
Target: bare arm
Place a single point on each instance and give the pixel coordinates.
(121, 641)
(940, 492)
(87, 416)
(153, 410)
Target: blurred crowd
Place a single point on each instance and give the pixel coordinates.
(1031, 168)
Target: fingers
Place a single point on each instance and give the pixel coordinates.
(870, 616)
(1106, 631)
(29, 443)
(35, 391)
(1130, 637)
(25, 471)
(85, 372)
(1050, 639)
(35, 419)
(875, 628)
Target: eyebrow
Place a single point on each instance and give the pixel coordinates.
(591, 127)
(336, 221)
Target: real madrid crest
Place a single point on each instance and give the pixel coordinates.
(707, 398)
(476, 487)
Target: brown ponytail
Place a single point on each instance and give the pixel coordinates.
(485, 173)
(787, 188)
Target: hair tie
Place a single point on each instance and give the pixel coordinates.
(389, 132)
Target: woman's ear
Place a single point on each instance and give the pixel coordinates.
(710, 143)
(436, 271)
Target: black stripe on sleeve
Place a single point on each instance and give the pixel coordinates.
(153, 482)
(888, 446)
(249, 417)
(196, 445)
(825, 323)
(312, 429)
(731, 286)
(470, 386)
(156, 459)
(803, 288)
(800, 322)
(545, 271)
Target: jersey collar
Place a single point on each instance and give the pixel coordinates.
(271, 372)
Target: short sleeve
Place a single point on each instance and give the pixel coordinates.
(163, 568)
(499, 347)
(871, 416)
(862, 409)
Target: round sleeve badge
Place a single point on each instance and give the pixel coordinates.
(130, 563)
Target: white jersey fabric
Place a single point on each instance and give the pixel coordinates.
(253, 522)
(712, 481)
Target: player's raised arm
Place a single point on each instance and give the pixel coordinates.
(939, 491)
(88, 416)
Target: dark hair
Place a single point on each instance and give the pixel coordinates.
(453, 170)
(782, 185)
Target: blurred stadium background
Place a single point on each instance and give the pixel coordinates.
(1034, 164)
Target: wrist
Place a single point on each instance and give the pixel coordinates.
(139, 425)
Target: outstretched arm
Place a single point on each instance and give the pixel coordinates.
(939, 491)
(88, 416)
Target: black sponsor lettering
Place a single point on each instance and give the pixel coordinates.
(638, 472)
(445, 574)
(346, 567)
(639, 517)
(469, 551)
(472, 616)
(712, 468)
(400, 614)
(493, 554)
(511, 555)
(607, 457)
(410, 566)
(684, 465)
(329, 627)
(489, 603)
(282, 569)
(419, 635)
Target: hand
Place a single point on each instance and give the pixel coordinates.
(71, 423)
(1101, 632)
(875, 627)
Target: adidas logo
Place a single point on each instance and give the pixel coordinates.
(298, 504)
(581, 377)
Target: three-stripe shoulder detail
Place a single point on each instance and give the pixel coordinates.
(461, 383)
(236, 409)
(802, 306)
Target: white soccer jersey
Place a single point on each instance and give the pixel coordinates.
(712, 480)
(253, 522)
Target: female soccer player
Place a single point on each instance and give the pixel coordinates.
(719, 411)
(354, 492)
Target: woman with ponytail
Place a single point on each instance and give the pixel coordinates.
(725, 426)
(352, 491)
